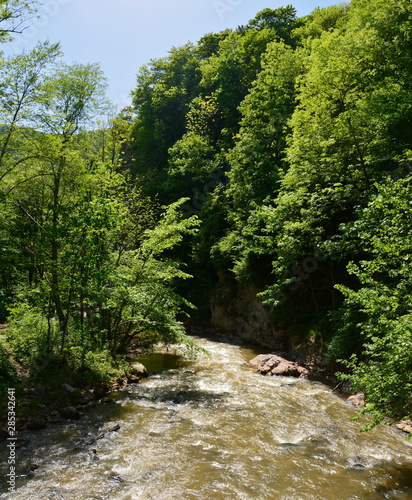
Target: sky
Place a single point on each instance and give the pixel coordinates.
(124, 35)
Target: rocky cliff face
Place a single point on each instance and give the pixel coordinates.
(238, 312)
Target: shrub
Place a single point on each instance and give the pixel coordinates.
(8, 374)
(28, 332)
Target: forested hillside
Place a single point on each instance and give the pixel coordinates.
(292, 138)
(275, 156)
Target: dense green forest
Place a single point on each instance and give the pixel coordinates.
(278, 153)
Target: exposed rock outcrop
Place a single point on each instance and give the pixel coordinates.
(238, 312)
(276, 365)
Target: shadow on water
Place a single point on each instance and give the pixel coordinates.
(184, 395)
(396, 483)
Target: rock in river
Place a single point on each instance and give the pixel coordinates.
(70, 412)
(276, 365)
(405, 426)
(36, 423)
(138, 369)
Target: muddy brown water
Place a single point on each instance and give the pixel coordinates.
(213, 429)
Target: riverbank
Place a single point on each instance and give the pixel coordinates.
(38, 406)
(54, 392)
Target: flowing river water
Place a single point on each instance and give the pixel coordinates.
(213, 429)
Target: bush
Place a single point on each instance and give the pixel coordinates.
(94, 367)
(8, 374)
(27, 333)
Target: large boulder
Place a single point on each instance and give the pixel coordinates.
(35, 423)
(68, 389)
(276, 365)
(70, 412)
(138, 370)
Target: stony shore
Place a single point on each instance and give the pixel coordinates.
(36, 407)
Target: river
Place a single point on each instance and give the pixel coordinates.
(213, 429)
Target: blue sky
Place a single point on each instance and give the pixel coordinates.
(124, 35)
